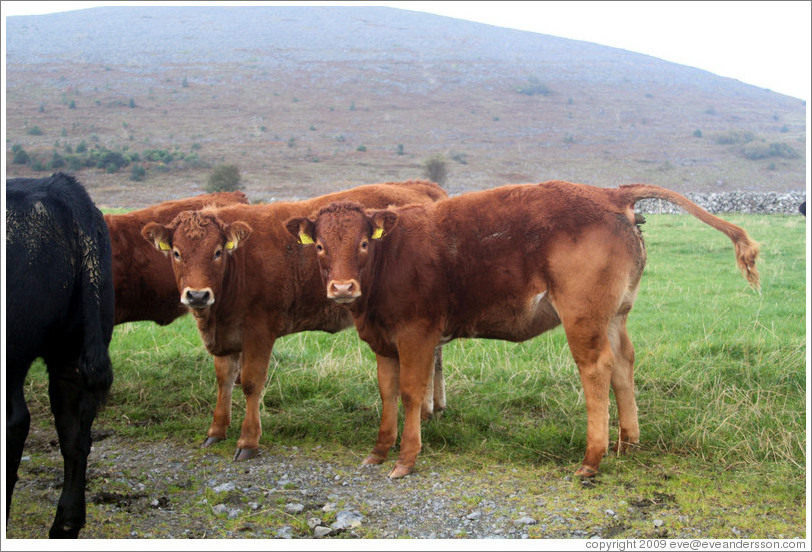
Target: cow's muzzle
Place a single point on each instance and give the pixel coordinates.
(343, 291)
(197, 298)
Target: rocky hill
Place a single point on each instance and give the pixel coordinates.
(142, 103)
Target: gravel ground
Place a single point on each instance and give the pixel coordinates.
(172, 490)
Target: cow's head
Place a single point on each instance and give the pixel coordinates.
(345, 236)
(199, 245)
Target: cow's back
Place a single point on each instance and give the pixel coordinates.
(482, 258)
(379, 196)
(58, 276)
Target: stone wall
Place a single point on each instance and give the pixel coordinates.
(731, 202)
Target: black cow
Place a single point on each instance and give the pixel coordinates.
(802, 208)
(59, 306)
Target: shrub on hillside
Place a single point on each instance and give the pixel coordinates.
(534, 88)
(224, 178)
(138, 173)
(762, 150)
(435, 169)
(734, 137)
(20, 155)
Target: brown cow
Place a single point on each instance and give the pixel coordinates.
(508, 263)
(144, 283)
(247, 283)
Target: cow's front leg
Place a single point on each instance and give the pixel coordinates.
(388, 385)
(256, 354)
(416, 370)
(227, 368)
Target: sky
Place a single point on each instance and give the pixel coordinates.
(764, 43)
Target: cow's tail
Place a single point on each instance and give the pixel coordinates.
(97, 302)
(746, 249)
(96, 294)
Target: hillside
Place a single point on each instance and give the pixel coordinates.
(307, 100)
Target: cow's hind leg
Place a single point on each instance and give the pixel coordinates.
(18, 421)
(389, 388)
(590, 347)
(434, 403)
(74, 409)
(227, 369)
(623, 384)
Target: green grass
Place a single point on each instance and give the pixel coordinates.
(720, 375)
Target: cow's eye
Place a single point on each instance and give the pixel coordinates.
(319, 248)
(176, 254)
(364, 244)
(217, 254)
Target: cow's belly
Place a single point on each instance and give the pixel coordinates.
(515, 319)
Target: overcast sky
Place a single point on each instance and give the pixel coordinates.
(766, 44)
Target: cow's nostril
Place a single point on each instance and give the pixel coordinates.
(198, 298)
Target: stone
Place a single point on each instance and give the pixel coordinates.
(525, 520)
(346, 519)
(320, 532)
(293, 508)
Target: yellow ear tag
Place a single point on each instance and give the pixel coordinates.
(304, 239)
(229, 245)
(377, 233)
(163, 245)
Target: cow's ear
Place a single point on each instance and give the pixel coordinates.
(382, 223)
(236, 232)
(302, 228)
(158, 235)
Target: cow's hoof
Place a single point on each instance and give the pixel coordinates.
(245, 454)
(400, 471)
(586, 471)
(209, 441)
(66, 531)
(373, 460)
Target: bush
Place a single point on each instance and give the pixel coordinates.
(756, 151)
(20, 155)
(760, 150)
(112, 161)
(75, 162)
(435, 170)
(778, 149)
(138, 173)
(224, 178)
(734, 137)
(35, 131)
(534, 88)
(57, 161)
(158, 155)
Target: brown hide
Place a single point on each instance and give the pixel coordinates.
(144, 283)
(249, 282)
(507, 263)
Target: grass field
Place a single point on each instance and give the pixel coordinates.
(720, 375)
